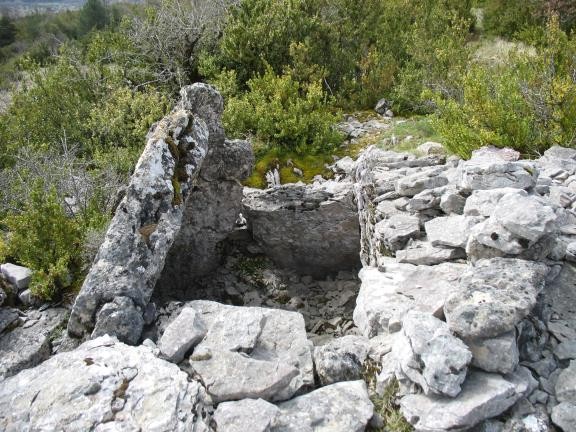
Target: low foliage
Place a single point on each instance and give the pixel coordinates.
(387, 408)
(46, 240)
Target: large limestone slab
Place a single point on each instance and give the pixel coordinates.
(251, 352)
(451, 231)
(415, 183)
(430, 356)
(423, 253)
(386, 295)
(489, 172)
(103, 385)
(312, 229)
(494, 296)
(483, 396)
(340, 407)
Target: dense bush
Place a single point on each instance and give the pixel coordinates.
(46, 240)
(281, 111)
(528, 103)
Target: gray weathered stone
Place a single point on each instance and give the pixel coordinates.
(8, 318)
(103, 385)
(483, 396)
(340, 407)
(484, 202)
(17, 275)
(252, 352)
(566, 384)
(430, 356)
(423, 253)
(452, 202)
(431, 148)
(487, 172)
(451, 231)
(566, 350)
(560, 298)
(182, 334)
(28, 345)
(395, 232)
(385, 296)
(417, 182)
(246, 415)
(341, 359)
(498, 354)
(494, 296)
(312, 229)
(564, 416)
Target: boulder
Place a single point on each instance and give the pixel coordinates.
(312, 229)
(17, 275)
(341, 407)
(394, 233)
(382, 106)
(341, 359)
(497, 354)
(483, 396)
(386, 296)
(103, 385)
(563, 158)
(494, 296)
(251, 352)
(181, 335)
(431, 148)
(30, 344)
(430, 356)
(451, 231)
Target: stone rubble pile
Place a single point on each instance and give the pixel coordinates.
(466, 298)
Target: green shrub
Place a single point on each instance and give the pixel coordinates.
(46, 240)
(528, 104)
(281, 112)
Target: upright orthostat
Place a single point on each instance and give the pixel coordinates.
(148, 220)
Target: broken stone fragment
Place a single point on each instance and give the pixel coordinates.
(498, 354)
(341, 359)
(430, 356)
(181, 335)
(17, 275)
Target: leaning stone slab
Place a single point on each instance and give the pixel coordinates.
(185, 164)
(430, 356)
(494, 296)
(386, 295)
(181, 335)
(483, 396)
(17, 275)
(251, 352)
(103, 385)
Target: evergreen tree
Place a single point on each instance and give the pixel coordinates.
(7, 31)
(93, 15)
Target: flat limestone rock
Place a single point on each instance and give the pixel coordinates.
(340, 407)
(181, 335)
(494, 296)
(393, 233)
(386, 296)
(430, 356)
(415, 183)
(251, 352)
(28, 345)
(423, 253)
(103, 385)
(487, 172)
(483, 396)
(452, 231)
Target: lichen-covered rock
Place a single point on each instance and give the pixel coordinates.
(430, 356)
(251, 352)
(387, 295)
(312, 229)
(341, 359)
(103, 385)
(494, 296)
